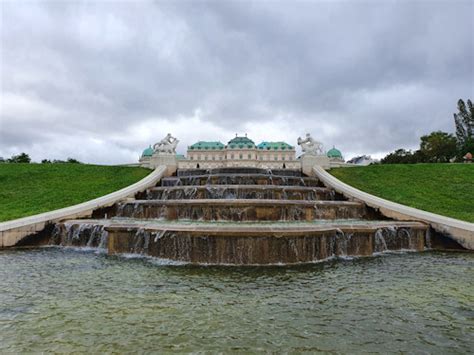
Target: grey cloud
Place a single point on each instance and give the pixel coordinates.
(375, 75)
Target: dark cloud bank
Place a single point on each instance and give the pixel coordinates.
(99, 81)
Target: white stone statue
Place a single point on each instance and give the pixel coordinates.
(310, 146)
(166, 145)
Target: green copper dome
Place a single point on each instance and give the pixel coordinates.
(148, 152)
(241, 142)
(334, 153)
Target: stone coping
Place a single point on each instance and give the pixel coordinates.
(13, 231)
(461, 231)
(241, 229)
(243, 202)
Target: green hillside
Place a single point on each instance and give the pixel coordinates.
(28, 189)
(446, 189)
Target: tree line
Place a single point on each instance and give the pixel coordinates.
(25, 158)
(442, 147)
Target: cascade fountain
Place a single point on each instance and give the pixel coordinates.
(242, 216)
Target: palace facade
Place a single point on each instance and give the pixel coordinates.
(240, 151)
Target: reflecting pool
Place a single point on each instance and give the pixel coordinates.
(63, 300)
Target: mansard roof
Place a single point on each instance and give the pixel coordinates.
(201, 145)
(240, 142)
(274, 146)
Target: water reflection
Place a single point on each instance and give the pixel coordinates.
(57, 299)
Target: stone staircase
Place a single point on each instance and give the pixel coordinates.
(242, 216)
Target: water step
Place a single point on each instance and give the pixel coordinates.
(212, 243)
(240, 192)
(232, 170)
(241, 209)
(240, 179)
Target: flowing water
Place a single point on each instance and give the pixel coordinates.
(65, 299)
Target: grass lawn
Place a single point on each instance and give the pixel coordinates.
(446, 189)
(28, 189)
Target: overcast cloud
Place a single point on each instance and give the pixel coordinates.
(101, 80)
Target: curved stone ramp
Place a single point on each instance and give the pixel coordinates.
(244, 244)
(14, 232)
(460, 231)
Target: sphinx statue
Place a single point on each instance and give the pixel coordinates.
(166, 145)
(310, 146)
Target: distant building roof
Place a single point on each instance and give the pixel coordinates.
(206, 145)
(148, 152)
(274, 146)
(334, 153)
(241, 142)
(180, 156)
(361, 160)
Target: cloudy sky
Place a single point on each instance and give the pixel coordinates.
(101, 80)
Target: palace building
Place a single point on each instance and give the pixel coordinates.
(240, 152)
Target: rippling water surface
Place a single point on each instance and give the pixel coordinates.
(56, 299)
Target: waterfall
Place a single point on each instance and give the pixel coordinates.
(393, 238)
(158, 236)
(141, 241)
(428, 244)
(190, 193)
(166, 194)
(137, 211)
(379, 241)
(56, 235)
(80, 235)
(120, 208)
(341, 244)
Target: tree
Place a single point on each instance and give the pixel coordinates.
(464, 121)
(73, 161)
(438, 147)
(400, 156)
(45, 161)
(20, 158)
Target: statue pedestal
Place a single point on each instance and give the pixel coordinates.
(309, 161)
(167, 159)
